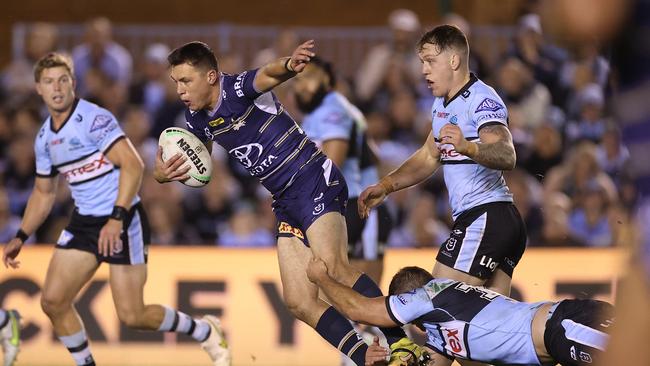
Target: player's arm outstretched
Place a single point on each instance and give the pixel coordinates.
(420, 166)
(123, 155)
(496, 150)
(38, 207)
(354, 306)
(275, 73)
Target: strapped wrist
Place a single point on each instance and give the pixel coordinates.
(22, 235)
(287, 65)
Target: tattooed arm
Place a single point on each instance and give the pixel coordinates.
(495, 151)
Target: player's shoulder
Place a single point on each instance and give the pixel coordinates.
(336, 109)
(484, 98)
(92, 116)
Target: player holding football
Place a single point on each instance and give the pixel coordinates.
(474, 323)
(85, 144)
(470, 138)
(242, 115)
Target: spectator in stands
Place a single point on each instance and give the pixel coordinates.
(612, 154)
(17, 80)
(577, 172)
(556, 233)
(19, 177)
(545, 152)
(589, 221)
(391, 67)
(9, 223)
(526, 98)
(284, 44)
(586, 67)
(421, 228)
(136, 124)
(546, 60)
(149, 90)
(242, 229)
(101, 54)
(591, 122)
(527, 194)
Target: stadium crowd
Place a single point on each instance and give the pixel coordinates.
(571, 183)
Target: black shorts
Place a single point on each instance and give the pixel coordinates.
(576, 332)
(485, 238)
(367, 237)
(82, 233)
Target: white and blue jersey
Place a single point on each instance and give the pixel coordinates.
(470, 184)
(77, 151)
(469, 322)
(337, 119)
(256, 131)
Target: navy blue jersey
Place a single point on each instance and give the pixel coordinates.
(256, 131)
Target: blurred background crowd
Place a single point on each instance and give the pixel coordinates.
(572, 184)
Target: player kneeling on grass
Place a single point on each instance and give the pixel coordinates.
(474, 323)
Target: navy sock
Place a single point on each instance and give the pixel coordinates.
(339, 333)
(367, 287)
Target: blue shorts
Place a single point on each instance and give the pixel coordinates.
(320, 188)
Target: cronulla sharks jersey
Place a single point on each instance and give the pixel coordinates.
(470, 184)
(469, 322)
(77, 151)
(336, 118)
(256, 131)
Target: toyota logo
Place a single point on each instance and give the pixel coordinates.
(248, 155)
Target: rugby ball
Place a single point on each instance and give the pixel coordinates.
(178, 140)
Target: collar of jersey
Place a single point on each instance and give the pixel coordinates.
(472, 80)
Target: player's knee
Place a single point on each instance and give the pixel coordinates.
(131, 318)
(299, 307)
(54, 305)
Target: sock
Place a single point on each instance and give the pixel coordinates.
(339, 333)
(77, 345)
(4, 318)
(367, 287)
(178, 322)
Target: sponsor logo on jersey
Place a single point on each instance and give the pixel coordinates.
(492, 116)
(454, 337)
(216, 122)
(585, 357)
(78, 117)
(466, 94)
(248, 155)
(488, 262)
(442, 115)
(285, 228)
(86, 169)
(75, 144)
(453, 120)
(192, 154)
(58, 141)
(450, 245)
(488, 105)
(238, 84)
(64, 238)
(101, 121)
(318, 209)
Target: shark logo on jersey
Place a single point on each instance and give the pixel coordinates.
(100, 122)
(453, 120)
(75, 144)
(248, 155)
(488, 105)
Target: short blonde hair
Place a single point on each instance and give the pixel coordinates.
(53, 59)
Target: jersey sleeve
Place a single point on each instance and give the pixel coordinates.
(244, 85)
(406, 307)
(336, 125)
(488, 109)
(104, 131)
(44, 166)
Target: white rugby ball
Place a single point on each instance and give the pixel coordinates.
(178, 140)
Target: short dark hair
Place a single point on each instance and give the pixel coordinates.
(445, 37)
(407, 279)
(327, 67)
(197, 54)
